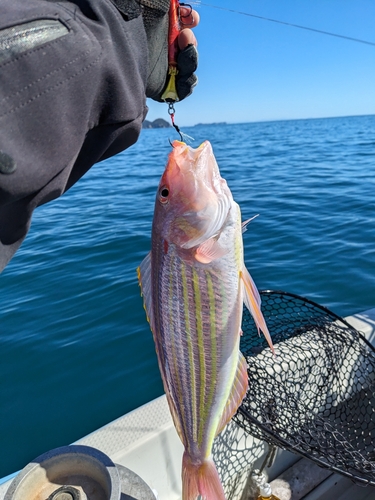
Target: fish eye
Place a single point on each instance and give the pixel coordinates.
(164, 194)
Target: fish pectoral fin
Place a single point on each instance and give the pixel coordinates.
(252, 301)
(144, 279)
(210, 250)
(250, 289)
(237, 393)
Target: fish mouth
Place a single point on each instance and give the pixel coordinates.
(201, 190)
(193, 154)
(200, 160)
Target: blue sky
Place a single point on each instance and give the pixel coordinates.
(255, 70)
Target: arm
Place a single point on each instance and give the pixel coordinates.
(73, 83)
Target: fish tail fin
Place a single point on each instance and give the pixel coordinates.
(200, 479)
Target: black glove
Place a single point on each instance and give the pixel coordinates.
(155, 14)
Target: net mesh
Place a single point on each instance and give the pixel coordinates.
(235, 452)
(316, 397)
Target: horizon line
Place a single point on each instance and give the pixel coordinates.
(278, 120)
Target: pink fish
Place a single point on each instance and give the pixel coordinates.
(194, 283)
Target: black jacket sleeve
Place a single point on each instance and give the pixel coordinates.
(72, 93)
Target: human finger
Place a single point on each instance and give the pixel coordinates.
(186, 37)
(189, 18)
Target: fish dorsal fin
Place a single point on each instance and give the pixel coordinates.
(252, 301)
(209, 250)
(237, 394)
(246, 222)
(174, 414)
(144, 279)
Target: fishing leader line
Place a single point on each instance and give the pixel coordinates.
(322, 32)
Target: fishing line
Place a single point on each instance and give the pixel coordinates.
(184, 137)
(322, 32)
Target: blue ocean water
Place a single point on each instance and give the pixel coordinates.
(76, 349)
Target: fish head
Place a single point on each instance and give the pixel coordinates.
(193, 200)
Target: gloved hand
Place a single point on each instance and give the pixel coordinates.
(155, 14)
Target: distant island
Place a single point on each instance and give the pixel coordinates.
(210, 124)
(158, 123)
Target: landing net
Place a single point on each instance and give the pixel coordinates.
(317, 398)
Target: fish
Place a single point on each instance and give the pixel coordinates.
(194, 283)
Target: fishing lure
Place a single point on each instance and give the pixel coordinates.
(175, 25)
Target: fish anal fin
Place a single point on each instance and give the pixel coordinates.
(237, 394)
(144, 279)
(209, 250)
(252, 302)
